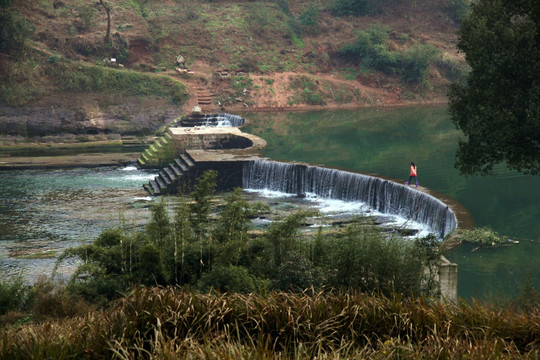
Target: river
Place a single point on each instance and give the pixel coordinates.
(384, 141)
(45, 211)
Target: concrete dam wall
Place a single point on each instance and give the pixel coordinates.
(382, 195)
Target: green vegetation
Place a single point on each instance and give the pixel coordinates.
(497, 107)
(167, 323)
(85, 78)
(21, 82)
(372, 50)
(21, 303)
(205, 250)
(14, 28)
(457, 9)
(368, 295)
(356, 7)
(484, 237)
(256, 37)
(307, 91)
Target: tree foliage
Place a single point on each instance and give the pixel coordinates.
(14, 29)
(498, 108)
(371, 49)
(185, 251)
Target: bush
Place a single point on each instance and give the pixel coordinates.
(372, 50)
(309, 19)
(368, 44)
(355, 7)
(308, 91)
(455, 70)
(457, 9)
(14, 295)
(14, 29)
(483, 236)
(413, 62)
(363, 258)
(228, 279)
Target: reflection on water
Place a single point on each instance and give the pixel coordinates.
(385, 141)
(45, 211)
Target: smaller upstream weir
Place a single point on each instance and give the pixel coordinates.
(213, 120)
(381, 195)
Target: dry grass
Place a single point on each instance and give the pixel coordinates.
(167, 323)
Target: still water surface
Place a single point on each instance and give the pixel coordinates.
(384, 141)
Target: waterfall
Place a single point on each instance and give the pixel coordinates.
(381, 195)
(224, 120)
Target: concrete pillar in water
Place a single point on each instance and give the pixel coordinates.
(448, 279)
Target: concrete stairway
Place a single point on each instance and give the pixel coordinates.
(168, 180)
(150, 157)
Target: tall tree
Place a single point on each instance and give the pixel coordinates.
(107, 8)
(498, 108)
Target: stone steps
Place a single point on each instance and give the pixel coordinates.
(204, 96)
(148, 156)
(167, 181)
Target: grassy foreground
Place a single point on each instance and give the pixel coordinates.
(169, 322)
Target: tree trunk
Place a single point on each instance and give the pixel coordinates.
(108, 11)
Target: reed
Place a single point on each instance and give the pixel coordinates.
(169, 322)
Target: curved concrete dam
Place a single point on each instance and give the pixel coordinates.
(381, 195)
(235, 155)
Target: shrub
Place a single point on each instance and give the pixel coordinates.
(309, 19)
(371, 49)
(14, 295)
(454, 69)
(14, 29)
(483, 236)
(355, 7)
(308, 91)
(368, 43)
(413, 62)
(457, 9)
(228, 278)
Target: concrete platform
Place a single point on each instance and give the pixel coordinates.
(206, 144)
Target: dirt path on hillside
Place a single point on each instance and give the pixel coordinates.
(274, 92)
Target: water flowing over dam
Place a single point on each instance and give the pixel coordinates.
(381, 195)
(222, 119)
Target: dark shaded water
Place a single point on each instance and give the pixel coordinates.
(384, 141)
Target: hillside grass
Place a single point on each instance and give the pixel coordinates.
(260, 38)
(23, 81)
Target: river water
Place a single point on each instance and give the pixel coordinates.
(45, 211)
(384, 141)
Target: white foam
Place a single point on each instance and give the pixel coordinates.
(129, 168)
(332, 206)
(272, 194)
(139, 177)
(145, 198)
(223, 123)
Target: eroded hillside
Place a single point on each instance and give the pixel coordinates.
(238, 55)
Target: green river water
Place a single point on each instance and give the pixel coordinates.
(44, 211)
(384, 141)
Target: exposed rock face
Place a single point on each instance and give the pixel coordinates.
(87, 114)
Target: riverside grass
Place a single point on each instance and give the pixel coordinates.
(171, 323)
